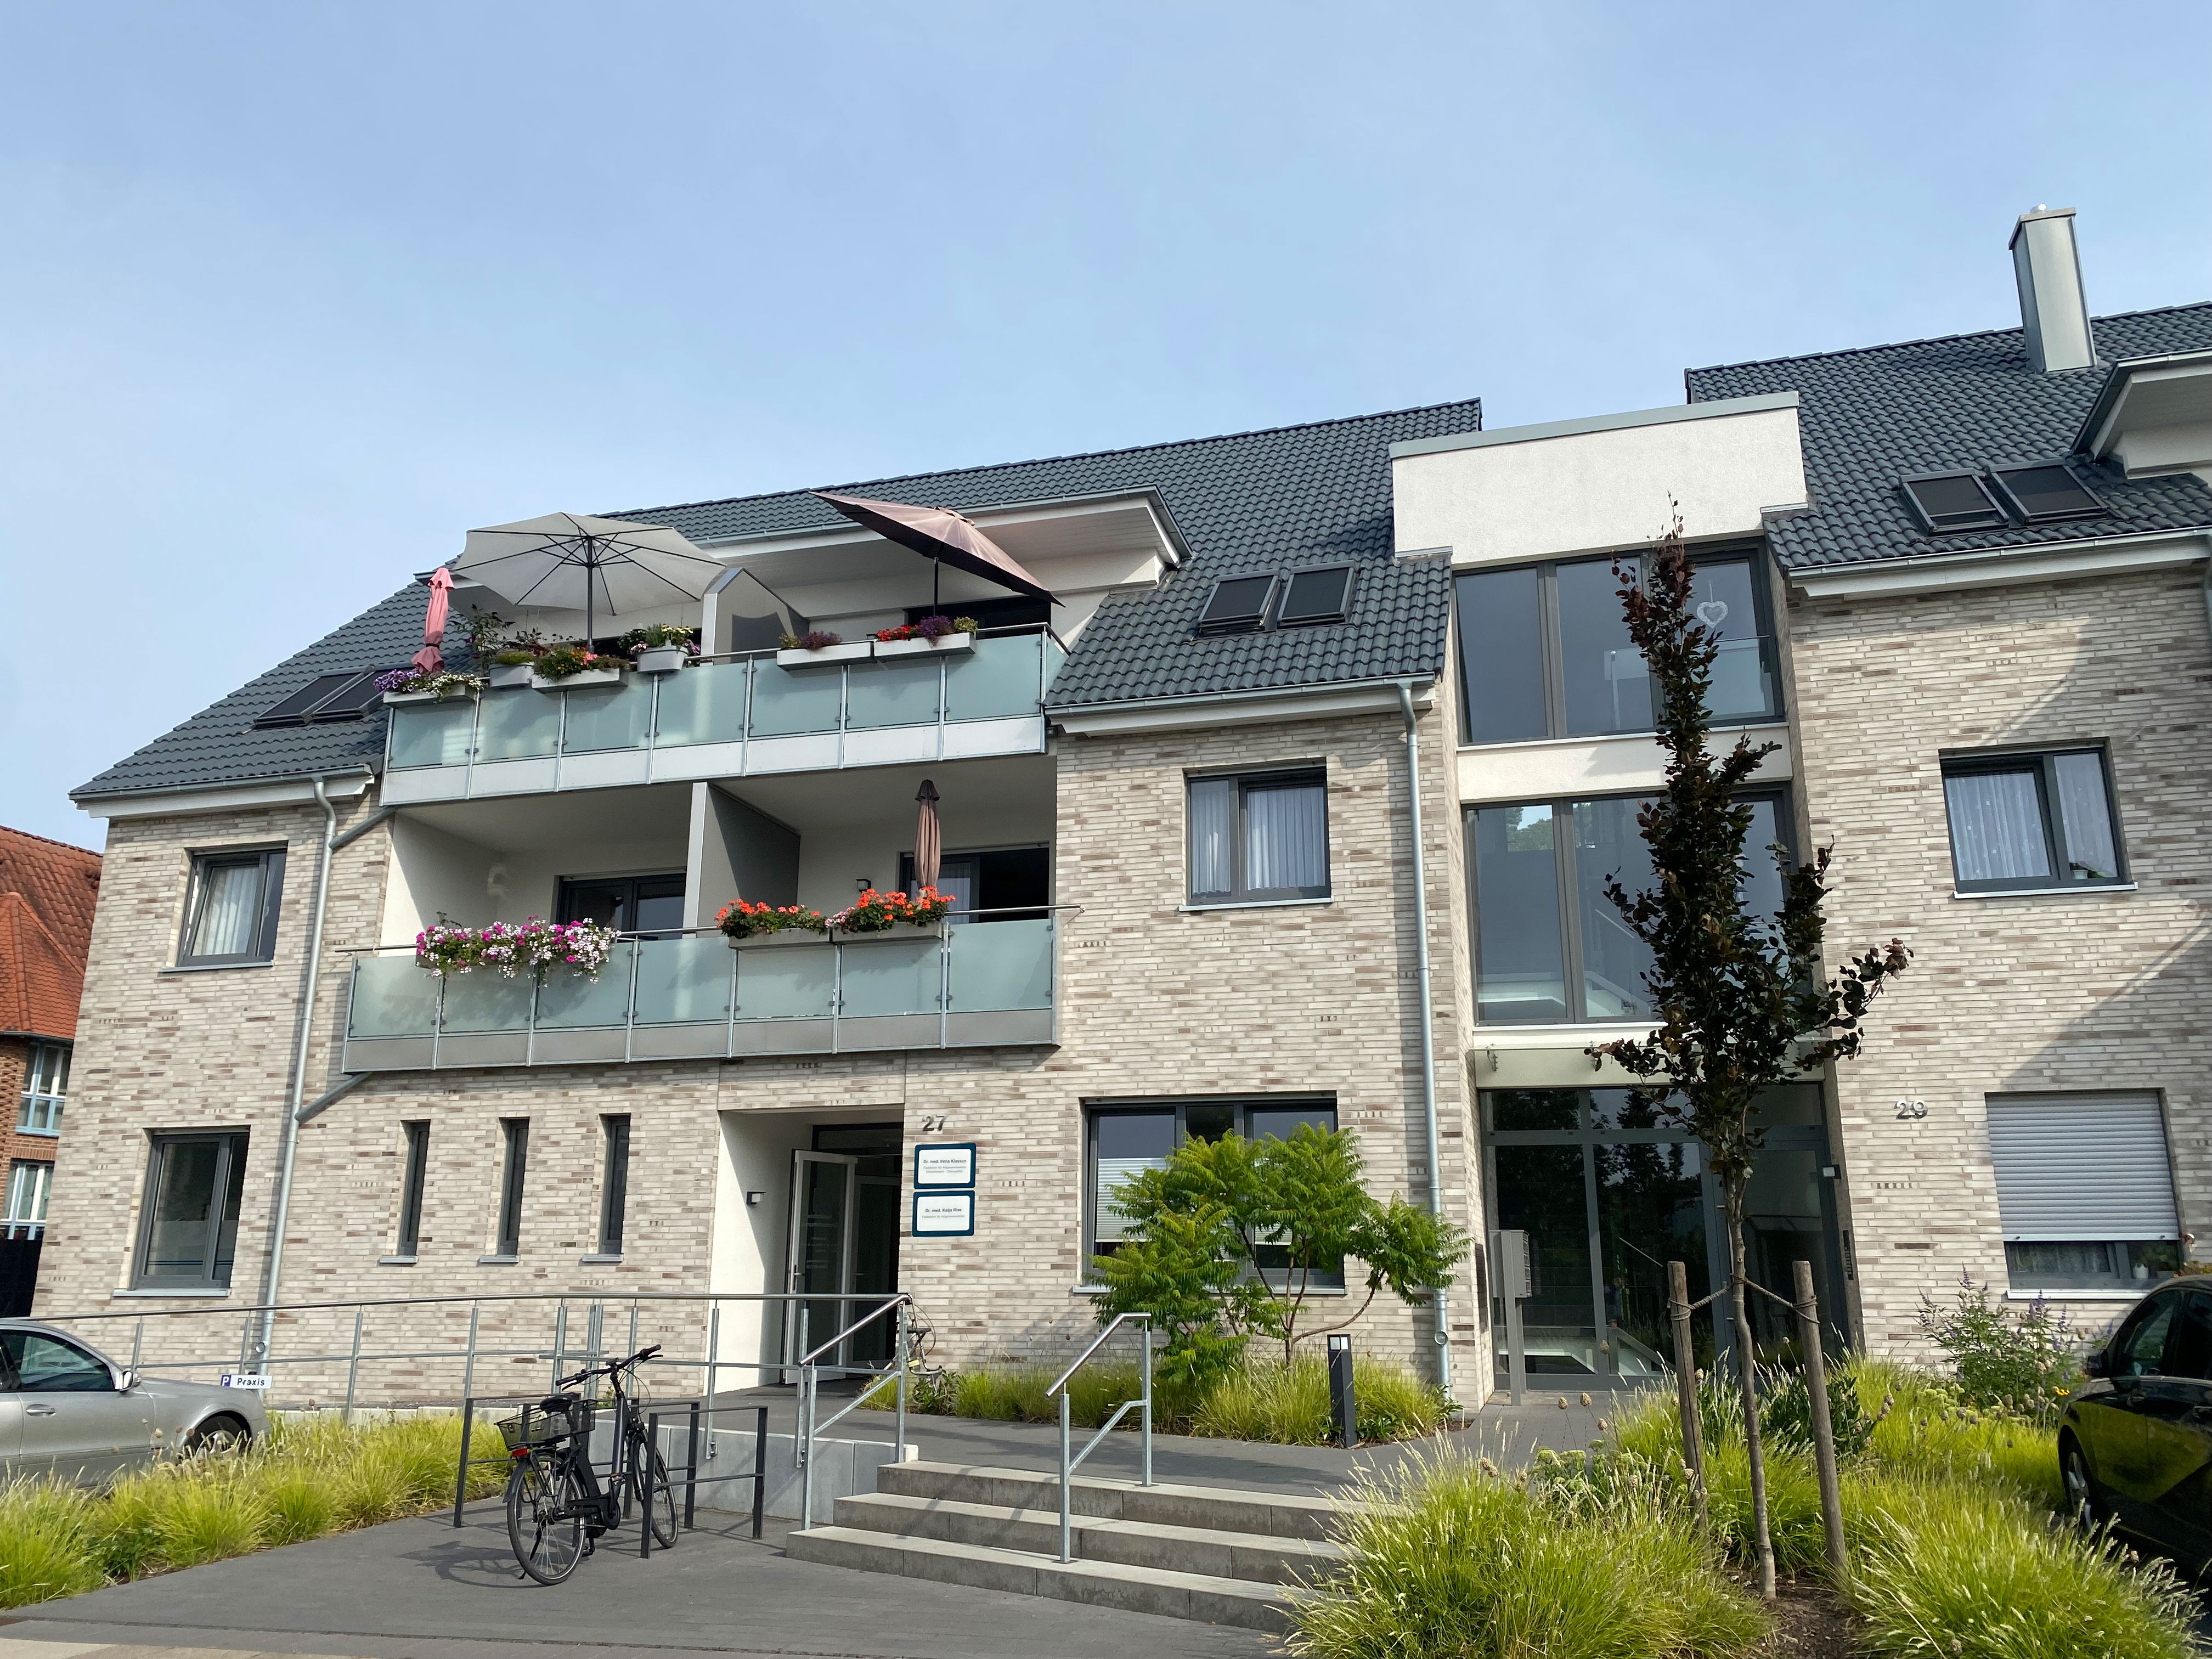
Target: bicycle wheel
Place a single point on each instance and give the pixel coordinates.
(545, 1516)
(656, 1497)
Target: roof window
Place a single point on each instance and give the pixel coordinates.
(1314, 597)
(1953, 501)
(1239, 605)
(2048, 490)
(345, 696)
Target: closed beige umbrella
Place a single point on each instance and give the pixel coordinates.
(928, 843)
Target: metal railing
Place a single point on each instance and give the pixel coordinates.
(1143, 1401)
(809, 1378)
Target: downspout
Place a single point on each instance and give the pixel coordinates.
(1439, 1294)
(299, 1061)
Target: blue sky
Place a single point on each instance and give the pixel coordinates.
(295, 293)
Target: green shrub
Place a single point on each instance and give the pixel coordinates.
(1786, 1412)
(1446, 1558)
(1943, 1567)
(1288, 1404)
(46, 1543)
(301, 1506)
(1923, 1427)
(2017, 1356)
(207, 1516)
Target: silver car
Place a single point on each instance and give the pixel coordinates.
(67, 1410)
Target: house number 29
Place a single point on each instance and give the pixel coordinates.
(934, 1124)
(1911, 1108)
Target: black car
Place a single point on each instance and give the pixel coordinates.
(2136, 1442)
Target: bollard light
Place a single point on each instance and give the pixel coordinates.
(1342, 1409)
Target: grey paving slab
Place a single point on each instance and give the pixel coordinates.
(419, 1589)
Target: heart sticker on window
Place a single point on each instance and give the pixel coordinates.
(1713, 613)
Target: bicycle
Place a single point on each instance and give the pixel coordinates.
(557, 1508)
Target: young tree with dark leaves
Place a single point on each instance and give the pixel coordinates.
(1741, 998)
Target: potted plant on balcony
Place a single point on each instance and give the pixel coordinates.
(511, 666)
(879, 913)
(509, 948)
(937, 633)
(661, 647)
(741, 921)
(414, 685)
(816, 646)
(572, 663)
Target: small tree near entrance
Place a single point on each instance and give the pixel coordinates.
(1741, 998)
(1231, 1237)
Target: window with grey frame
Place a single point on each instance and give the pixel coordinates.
(188, 1222)
(45, 1089)
(230, 913)
(1259, 837)
(2030, 822)
(1549, 947)
(1545, 652)
(614, 1185)
(514, 1135)
(417, 1137)
(1123, 1139)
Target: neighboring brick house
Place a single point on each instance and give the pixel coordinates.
(47, 894)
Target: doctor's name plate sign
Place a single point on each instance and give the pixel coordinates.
(944, 1189)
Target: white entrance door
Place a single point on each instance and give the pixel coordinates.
(820, 1252)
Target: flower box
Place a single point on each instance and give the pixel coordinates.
(572, 682)
(411, 696)
(661, 659)
(506, 676)
(853, 652)
(919, 646)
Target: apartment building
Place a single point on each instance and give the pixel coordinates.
(1181, 842)
(1293, 803)
(48, 891)
(1961, 590)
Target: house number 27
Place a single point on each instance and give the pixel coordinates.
(934, 1124)
(1911, 1108)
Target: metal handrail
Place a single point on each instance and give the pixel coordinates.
(655, 933)
(1143, 1401)
(810, 1383)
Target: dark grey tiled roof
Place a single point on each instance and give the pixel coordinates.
(1869, 418)
(1272, 499)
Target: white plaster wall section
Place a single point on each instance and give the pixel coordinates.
(1578, 768)
(433, 872)
(1588, 486)
(750, 1239)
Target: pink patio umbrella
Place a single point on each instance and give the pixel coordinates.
(928, 842)
(941, 536)
(430, 659)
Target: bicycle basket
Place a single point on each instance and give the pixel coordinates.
(543, 1424)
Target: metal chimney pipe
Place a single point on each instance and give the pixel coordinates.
(2054, 311)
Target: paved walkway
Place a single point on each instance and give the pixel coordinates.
(420, 1590)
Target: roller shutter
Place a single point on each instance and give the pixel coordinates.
(2086, 1167)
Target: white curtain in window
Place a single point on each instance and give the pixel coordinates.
(1286, 838)
(1996, 826)
(230, 910)
(1213, 835)
(2087, 816)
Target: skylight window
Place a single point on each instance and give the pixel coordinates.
(1316, 597)
(1239, 605)
(345, 696)
(2049, 490)
(1953, 501)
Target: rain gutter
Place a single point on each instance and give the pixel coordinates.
(1440, 1296)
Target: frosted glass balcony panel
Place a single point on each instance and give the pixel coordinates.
(902, 691)
(891, 976)
(703, 704)
(518, 724)
(486, 1001)
(1001, 965)
(683, 981)
(392, 997)
(609, 717)
(433, 733)
(788, 700)
(786, 981)
(567, 1001)
(996, 679)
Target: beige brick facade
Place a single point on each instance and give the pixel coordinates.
(1154, 1001)
(2081, 991)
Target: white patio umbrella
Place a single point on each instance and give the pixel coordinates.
(567, 562)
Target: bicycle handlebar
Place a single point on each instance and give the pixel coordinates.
(610, 1367)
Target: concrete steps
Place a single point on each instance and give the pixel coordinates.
(1209, 1553)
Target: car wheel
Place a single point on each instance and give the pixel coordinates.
(217, 1434)
(2081, 1500)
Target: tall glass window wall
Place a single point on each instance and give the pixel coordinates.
(1609, 1194)
(1544, 652)
(1551, 948)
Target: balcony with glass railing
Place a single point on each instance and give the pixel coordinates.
(983, 982)
(740, 716)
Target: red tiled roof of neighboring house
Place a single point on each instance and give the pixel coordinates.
(48, 891)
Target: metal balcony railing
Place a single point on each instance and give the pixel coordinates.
(726, 717)
(983, 980)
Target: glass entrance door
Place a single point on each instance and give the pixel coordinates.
(822, 1213)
